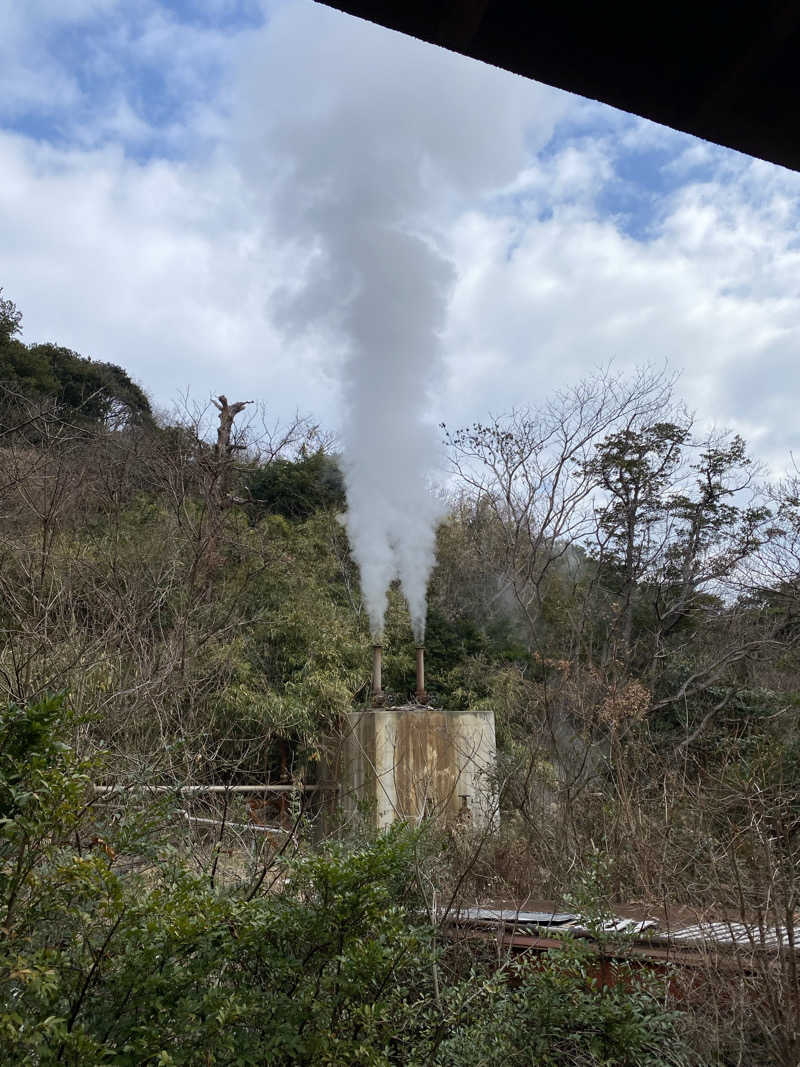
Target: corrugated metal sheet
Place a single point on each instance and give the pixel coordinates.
(697, 935)
(509, 915)
(626, 927)
(751, 936)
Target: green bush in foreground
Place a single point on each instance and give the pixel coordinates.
(115, 953)
(555, 1012)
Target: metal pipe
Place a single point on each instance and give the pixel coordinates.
(377, 692)
(257, 827)
(422, 696)
(298, 787)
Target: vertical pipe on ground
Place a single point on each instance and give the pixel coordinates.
(422, 696)
(377, 691)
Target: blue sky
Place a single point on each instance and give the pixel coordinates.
(179, 179)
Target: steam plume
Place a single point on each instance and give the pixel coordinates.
(391, 451)
(371, 138)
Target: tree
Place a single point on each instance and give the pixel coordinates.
(295, 488)
(634, 469)
(10, 320)
(222, 465)
(532, 470)
(85, 389)
(713, 532)
(95, 391)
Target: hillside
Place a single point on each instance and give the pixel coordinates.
(620, 588)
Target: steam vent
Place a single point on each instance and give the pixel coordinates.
(413, 761)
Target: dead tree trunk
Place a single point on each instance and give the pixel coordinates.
(219, 497)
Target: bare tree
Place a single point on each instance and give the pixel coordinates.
(531, 469)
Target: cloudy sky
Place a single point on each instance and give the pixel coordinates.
(191, 189)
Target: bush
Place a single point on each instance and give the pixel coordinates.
(295, 488)
(110, 958)
(555, 1012)
(115, 952)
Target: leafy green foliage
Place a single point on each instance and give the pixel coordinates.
(27, 746)
(559, 1013)
(113, 952)
(98, 392)
(295, 488)
(82, 388)
(10, 319)
(104, 960)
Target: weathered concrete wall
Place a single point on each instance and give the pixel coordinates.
(413, 762)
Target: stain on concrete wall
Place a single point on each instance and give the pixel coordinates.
(414, 762)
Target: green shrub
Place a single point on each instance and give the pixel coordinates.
(114, 951)
(556, 1012)
(27, 748)
(295, 488)
(106, 958)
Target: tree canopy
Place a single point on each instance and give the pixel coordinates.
(83, 388)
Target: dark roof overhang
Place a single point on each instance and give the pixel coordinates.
(728, 72)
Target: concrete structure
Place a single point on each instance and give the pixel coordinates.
(413, 762)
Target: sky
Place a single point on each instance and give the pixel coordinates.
(177, 179)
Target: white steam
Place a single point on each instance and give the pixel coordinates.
(390, 449)
(370, 137)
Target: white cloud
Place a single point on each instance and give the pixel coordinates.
(714, 293)
(168, 266)
(156, 267)
(94, 72)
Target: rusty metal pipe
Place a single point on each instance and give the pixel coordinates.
(377, 692)
(422, 696)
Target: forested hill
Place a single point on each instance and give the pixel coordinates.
(597, 555)
(100, 392)
(622, 590)
(600, 564)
